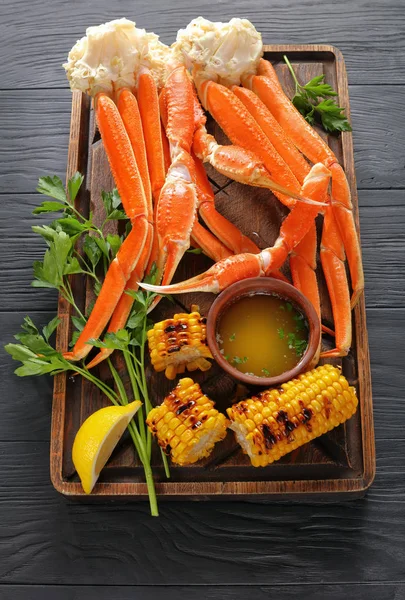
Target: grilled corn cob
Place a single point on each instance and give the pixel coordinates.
(186, 424)
(277, 421)
(177, 343)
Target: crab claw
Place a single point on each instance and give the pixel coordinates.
(218, 277)
(176, 214)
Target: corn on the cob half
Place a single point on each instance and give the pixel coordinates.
(180, 342)
(186, 424)
(277, 421)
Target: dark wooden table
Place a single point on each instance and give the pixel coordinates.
(50, 548)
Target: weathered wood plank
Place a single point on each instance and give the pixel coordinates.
(45, 539)
(35, 127)
(20, 246)
(377, 591)
(27, 401)
(36, 37)
(35, 137)
(382, 221)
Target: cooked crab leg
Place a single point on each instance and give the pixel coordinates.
(176, 210)
(274, 132)
(267, 86)
(127, 178)
(241, 266)
(303, 266)
(303, 257)
(210, 245)
(332, 258)
(225, 231)
(242, 129)
(129, 111)
(148, 100)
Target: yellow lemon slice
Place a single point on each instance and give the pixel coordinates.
(97, 438)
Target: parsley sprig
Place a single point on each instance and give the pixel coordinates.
(61, 259)
(314, 100)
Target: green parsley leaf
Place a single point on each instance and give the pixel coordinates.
(78, 322)
(113, 341)
(72, 266)
(195, 251)
(48, 206)
(117, 215)
(280, 332)
(29, 326)
(135, 320)
(332, 116)
(48, 233)
(102, 244)
(70, 225)
(52, 187)
(19, 352)
(232, 337)
(92, 250)
(48, 329)
(74, 185)
(112, 201)
(114, 241)
(266, 372)
(314, 99)
(317, 87)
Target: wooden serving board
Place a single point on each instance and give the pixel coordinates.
(340, 464)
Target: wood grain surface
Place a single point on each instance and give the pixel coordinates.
(50, 548)
(225, 592)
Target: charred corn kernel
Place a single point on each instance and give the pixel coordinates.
(292, 415)
(198, 426)
(177, 343)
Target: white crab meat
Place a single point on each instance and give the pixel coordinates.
(224, 52)
(110, 56)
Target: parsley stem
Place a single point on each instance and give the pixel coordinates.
(135, 389)
(68, 295)
(118, 382)
(289, 65)
(111, 394)
(139, 443)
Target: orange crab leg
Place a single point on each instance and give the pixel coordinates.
(126, 175)
(124, 306)
(241, 266)
(274, 132)
(303, 266)
(148, 101)
(268, 88)
(242, 129)
(343, 212)
(225, 231)
(211, 246)
(114, 284)
(239, 164)
(176, 211)
(332, 259)
(129, 111)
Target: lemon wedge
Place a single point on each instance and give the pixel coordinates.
(97, 438)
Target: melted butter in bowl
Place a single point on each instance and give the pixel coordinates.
(262, 335)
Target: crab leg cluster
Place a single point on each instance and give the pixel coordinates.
(261, 119)
(147, 102)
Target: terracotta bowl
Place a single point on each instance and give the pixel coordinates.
(263, 285)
